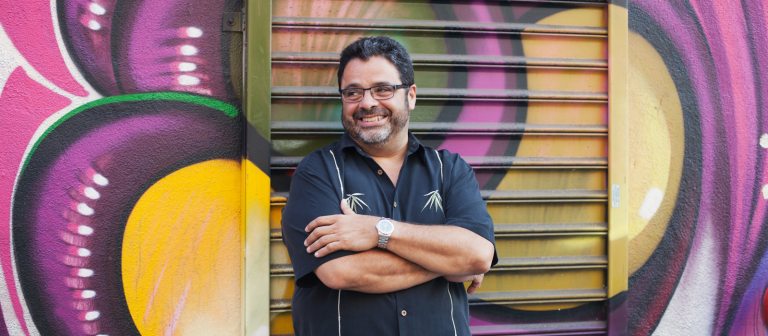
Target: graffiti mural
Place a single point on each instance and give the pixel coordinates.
(121, 178)
(697, 259)
(121, 175)
(699, 250)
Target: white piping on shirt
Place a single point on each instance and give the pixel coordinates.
(338, 173)
(341, 184)
(338, 311)
(450, 297)
(441, 165)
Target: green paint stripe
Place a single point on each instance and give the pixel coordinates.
(229, 110)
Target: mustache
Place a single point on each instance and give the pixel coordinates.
(377, 110)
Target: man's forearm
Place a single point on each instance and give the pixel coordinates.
(373, 271)
(442, 249)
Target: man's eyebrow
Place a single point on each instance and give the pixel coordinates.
(355, 85)
(381, 83)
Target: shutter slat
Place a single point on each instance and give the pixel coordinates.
(452, 60)
(433, 25)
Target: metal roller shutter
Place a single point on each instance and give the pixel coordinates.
(520, 89)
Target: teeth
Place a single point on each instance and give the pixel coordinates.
(372, 119)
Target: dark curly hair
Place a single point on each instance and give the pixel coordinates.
(367, 47)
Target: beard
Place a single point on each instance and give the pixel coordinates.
(379, 135)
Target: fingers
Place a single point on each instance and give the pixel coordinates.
(324, 245)
(345, 209)
(476, 282)
(320, 221)
(331, 233)
(316, 235)
(327, 220)
(328, 249)
(473, 287)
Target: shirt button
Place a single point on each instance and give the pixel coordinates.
(395, 205)
(403, 312)
(379, 172)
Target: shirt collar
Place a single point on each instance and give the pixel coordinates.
(346, 142)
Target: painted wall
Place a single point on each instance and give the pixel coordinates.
(699, 112)
(120, 179)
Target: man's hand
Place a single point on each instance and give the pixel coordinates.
(348, 231)
(477, 280)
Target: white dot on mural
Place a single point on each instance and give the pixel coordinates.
(651, 203)
(188, 80)
(765, 191)
(83, 252)
(84, 209)
(194, 32)
(187, 66)
(88, 294)
(94, 25)
(85, 272)
(188, 50)
(92, 315)
(85, 230)
(764, 140)
(97, 9)
(100, 180)
(91, 193)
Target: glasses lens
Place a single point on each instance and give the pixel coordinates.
(383, 92)
(353, 94)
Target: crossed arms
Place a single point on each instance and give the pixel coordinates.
(338, 248)
(415, 253)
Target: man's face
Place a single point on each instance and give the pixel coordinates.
(371, 121)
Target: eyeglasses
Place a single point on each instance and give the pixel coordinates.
(379, 92)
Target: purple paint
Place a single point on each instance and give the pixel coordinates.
(131, 152)
(88, 32)
(153, 41)
(690, 46)
(480, 79)
(738, 113)
(751, 313)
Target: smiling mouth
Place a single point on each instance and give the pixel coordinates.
(372, 118)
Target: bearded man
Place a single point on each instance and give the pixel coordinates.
(382, 231)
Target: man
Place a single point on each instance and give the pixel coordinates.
(381, 230)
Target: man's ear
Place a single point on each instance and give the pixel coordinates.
(412, 97)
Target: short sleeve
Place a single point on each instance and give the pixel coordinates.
(311, 195)
(464, 206)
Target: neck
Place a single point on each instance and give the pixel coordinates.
(395, 147)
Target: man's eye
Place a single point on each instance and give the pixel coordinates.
(383, 89)
(352, 93)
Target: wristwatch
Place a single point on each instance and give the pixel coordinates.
(385, 229)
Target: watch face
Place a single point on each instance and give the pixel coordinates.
(385, 226)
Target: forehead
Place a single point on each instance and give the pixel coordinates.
(375, 70)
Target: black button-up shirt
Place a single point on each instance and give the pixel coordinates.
(434, 187)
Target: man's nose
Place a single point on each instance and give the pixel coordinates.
(368, 100)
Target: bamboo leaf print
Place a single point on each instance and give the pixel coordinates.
(434, 201)
(354, 202)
